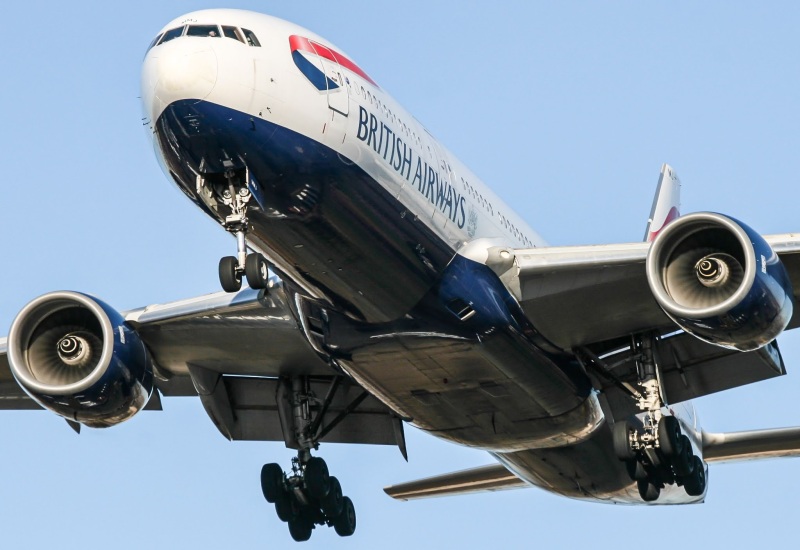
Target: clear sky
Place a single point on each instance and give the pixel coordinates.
(567, 109)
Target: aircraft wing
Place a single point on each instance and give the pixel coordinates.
(232, 351)
(590, 299)
(581, 295)
(11, 395)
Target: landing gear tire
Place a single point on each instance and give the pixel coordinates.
(622, 444)
(345, 523)
(256, 271)
(670, 437)
(283, 507)
(318, 481)
(648, 491)
(695, 484)
(300, 528)
(271, 482)
(333, 503)
(684, 462)
(229, 277)
(636, 470)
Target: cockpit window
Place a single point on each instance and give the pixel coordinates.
(242, 35)
(153, 43)
(232, 32)
(203, 30)
(171, 34)
(251, 38)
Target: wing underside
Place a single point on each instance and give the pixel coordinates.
(235, 352)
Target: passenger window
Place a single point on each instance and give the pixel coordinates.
(203, 30)
(170, 34)
(251, 38)
(232, 32)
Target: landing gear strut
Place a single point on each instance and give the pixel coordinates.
(308, 495)
(253, 266)
(656, 453)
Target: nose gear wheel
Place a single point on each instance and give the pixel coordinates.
(253, 266)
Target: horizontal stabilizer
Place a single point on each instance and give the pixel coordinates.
(751, 445)
(494, 477)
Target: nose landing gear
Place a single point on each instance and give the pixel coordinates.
(253, 266)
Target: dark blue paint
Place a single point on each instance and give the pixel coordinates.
(761, 315)
(313, 73)
(383, 259)
(122, 390)
(387, 279)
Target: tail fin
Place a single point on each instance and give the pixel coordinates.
(666, 203)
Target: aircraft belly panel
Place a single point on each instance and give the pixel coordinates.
(480, 379)
(319, 217)
(588, 470)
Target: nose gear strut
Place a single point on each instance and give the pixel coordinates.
(253, 266)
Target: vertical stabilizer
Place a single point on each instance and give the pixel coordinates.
(666, 203)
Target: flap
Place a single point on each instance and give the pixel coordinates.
(256, 409)
(689, 368)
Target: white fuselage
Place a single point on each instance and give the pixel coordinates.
(357, 119)
(274, 75)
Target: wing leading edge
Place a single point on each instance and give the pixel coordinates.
(580, 295)
(235, 352)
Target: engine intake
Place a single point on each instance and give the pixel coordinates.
(719, 280)
(77, 357)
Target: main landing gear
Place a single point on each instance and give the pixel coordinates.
(308, 495)
(253, 266)
(656, 453)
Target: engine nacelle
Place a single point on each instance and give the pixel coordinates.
(77, 357)
(720, 281)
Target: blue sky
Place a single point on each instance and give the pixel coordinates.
(566, 109)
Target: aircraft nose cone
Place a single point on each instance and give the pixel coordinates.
(180, 69)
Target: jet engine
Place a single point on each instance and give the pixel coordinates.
(77, 357)
(720, 281)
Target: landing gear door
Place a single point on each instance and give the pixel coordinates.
(337, 89)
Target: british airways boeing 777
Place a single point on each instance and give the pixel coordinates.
(406, 291)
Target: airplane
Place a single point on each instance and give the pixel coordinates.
(407, 291)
